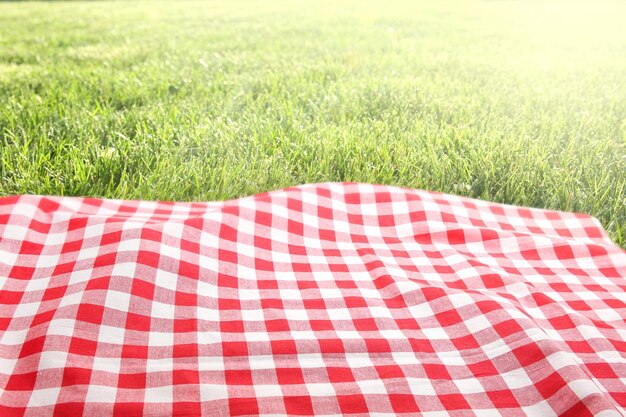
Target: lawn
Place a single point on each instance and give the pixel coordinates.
(522, 102)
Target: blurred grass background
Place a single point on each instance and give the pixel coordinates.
(522, 102)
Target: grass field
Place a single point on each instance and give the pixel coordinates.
(522, 102)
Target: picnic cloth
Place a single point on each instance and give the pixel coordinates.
(327, 299)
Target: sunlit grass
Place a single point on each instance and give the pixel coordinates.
(522, 102)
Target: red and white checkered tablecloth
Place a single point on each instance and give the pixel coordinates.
(329, 299)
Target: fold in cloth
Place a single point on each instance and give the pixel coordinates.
(328, 299)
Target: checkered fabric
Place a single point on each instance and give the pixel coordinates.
(328, 299)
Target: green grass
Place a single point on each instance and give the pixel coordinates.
(522, 102)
